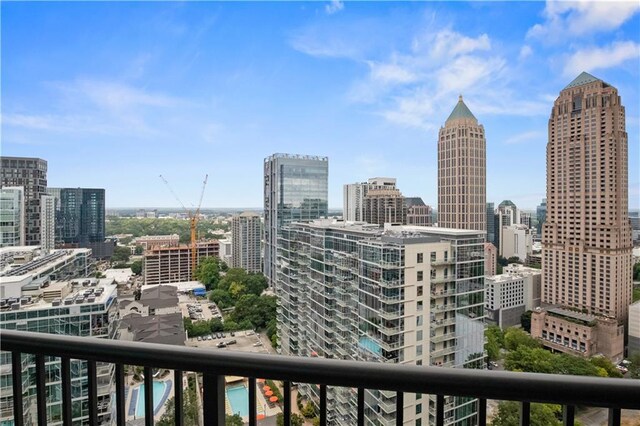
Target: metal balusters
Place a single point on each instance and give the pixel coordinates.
(614, 417)
(178, 397)
(120, 402)
(92, 371)
(568, 415)
(41, 390)
(65, 366)
(360, 406)
(253, 414)
(439, 410)
(399, 408)
(148, 396)
(287, 403)
(213, 400)
(525, 413)
(482, 412)
(16, 377)
(323, 405)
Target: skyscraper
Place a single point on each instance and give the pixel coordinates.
(47, 222)
(80, 215)
(541, 215)
(491, 223)
(462, 171)
(586, 239)
(295, 189)
(353, 201)
(245, 241)
(12, 216)
(31, 174)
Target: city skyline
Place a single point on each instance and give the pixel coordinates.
(367, 85)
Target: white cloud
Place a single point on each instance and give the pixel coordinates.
(449, 44)
(582, 17)
(333, 7)
(526, 137)
(590, 59)
(391, 73)
(525, 52)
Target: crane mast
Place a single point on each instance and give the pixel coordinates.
(194, 217)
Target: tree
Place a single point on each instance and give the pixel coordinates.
(120, 254)
(634, 367)
(541, 414)
(296, 419)
(514, 259)
(532, 360)
(234, 420)
(136, 267)
(208, 272)
(309, 410)
(606, 365)
(502, 261)
(636, 272)
(515, 337)
(222, 298)
(190, 408)
(139, 250)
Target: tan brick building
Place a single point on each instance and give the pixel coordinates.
(163, 265)
(462, 171)
(578, 334)
(586, 239)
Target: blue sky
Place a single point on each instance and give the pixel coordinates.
(114, 94)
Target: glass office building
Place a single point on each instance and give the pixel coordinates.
(295, 189)
(80, 215)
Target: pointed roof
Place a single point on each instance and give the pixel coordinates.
(461, 111)
(583, 78)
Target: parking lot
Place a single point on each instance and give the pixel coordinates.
(245, 341)
(198, 310)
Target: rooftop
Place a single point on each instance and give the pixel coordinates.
(583, 78)
(461, 111)
(166, 329)
(572, 314)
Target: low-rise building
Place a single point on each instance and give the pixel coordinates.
(577, 333)
(173, 264)
(156, 300)
(511, 294)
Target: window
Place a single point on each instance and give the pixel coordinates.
(420, 276)
(420, 290)
(433, 256)
(420, 258)
(418, 408)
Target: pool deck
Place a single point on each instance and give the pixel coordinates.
(263, 407)
(134, 394)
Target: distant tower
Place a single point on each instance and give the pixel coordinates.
(31, 174)
(12, 214)
(245, 242)
(295, 190)
(462, 171)
(47, 222)
(586, 238)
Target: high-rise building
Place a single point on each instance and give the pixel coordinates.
(47, 222)
(12, 216)
(31, 174)
(516, 241)
(353, 201)
(586, 239)
(404, 294)
(507, 214)
(295, 189)
(462, 171)
(491, 223)
(80, 215)
(541, 215)
(245, 239)
(490, 259)
(384, 203)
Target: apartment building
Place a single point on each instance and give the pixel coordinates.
(163, 265)
(246, 231)
(401, 294)
(12, 216)
(511, 294)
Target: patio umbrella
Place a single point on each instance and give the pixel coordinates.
(266, 387)
(268, 393)
(260, 380)
(273, 399)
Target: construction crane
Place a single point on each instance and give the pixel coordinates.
(194, 216)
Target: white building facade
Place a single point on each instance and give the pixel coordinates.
(516, 241)
(12, 216)
(511, 294)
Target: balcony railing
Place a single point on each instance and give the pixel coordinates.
(569, 391)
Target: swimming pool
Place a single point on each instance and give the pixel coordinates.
(160, 394)
(238, 397)
(369, 344)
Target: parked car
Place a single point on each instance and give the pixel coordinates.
(220, 335)
(199, 338)
(256, 344)
(209, 337)
(232, 334)
(221, 345)
(231, 342)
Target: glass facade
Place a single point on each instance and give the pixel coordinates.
(12, 213)
(295, 189)
(80, 215)
(355, 292)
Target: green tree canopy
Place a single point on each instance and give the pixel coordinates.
(136, 267)
(208, 272)
(541, 414)
(515, 337)
(121, 254)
